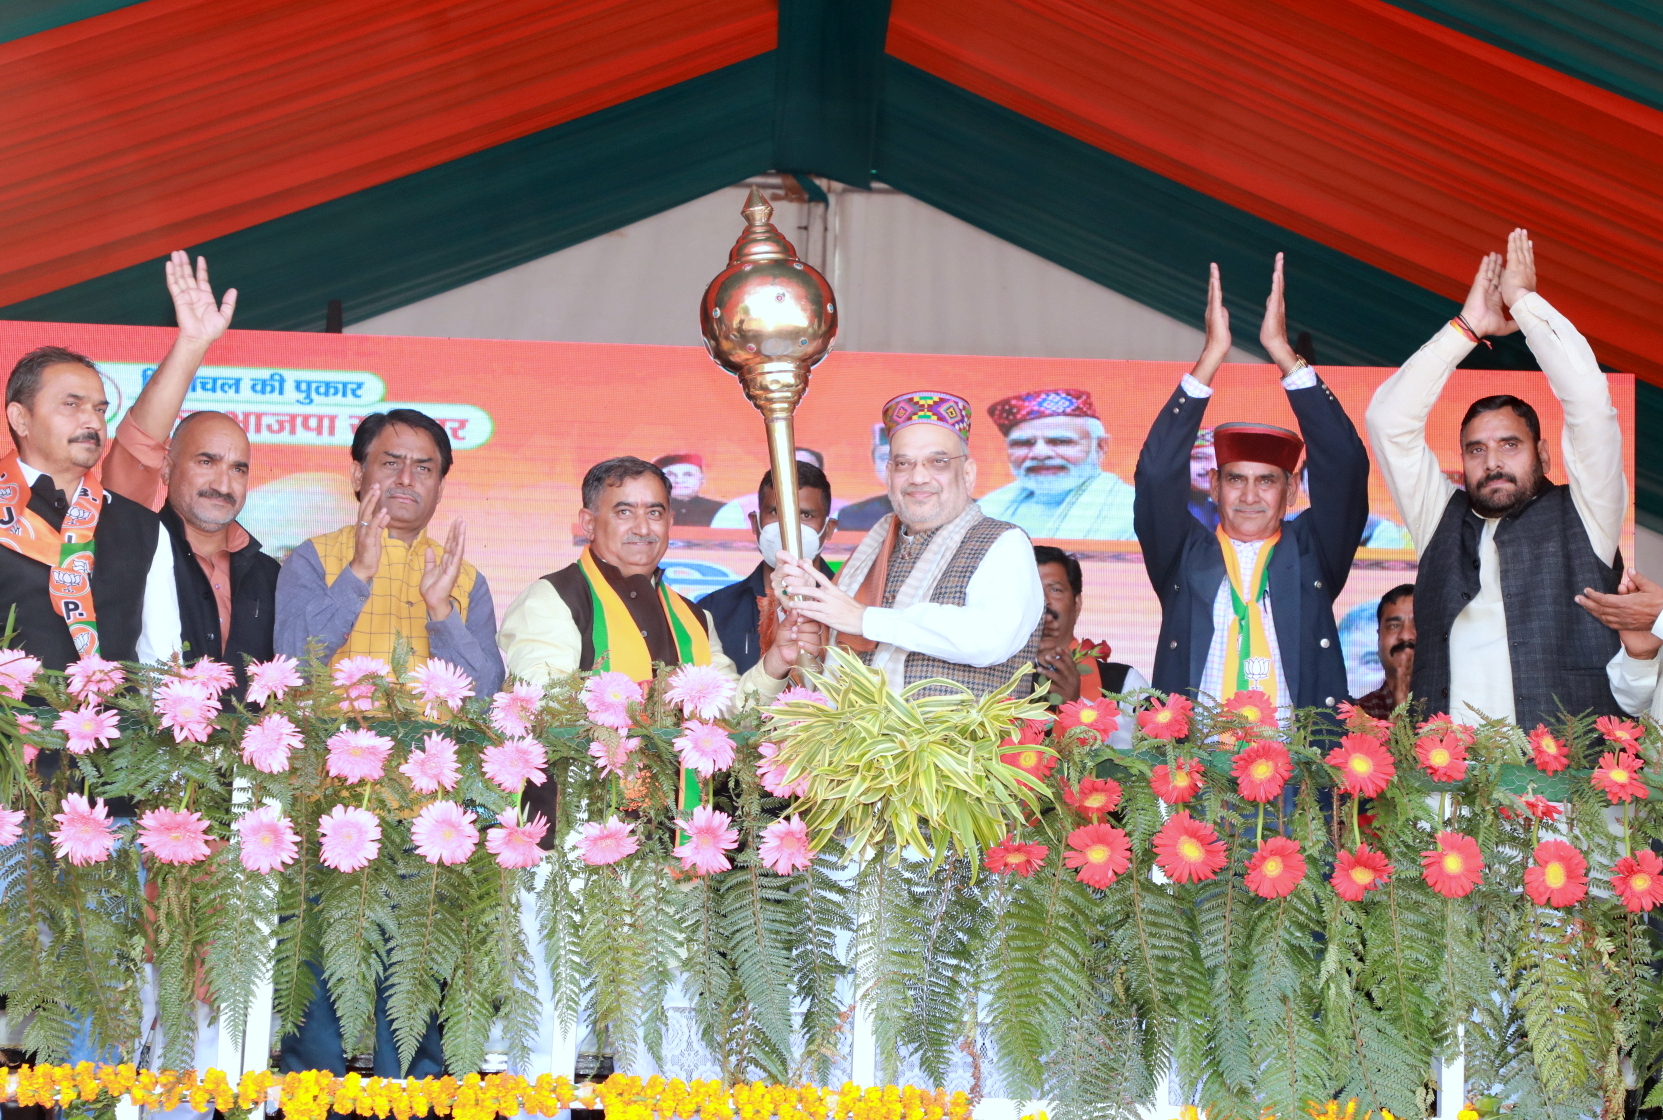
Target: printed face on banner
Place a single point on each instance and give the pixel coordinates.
(526, 419)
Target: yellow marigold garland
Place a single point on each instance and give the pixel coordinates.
(313, 1095)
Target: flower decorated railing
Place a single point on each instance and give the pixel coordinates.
(1283, 914)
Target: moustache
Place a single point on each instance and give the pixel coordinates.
(1399, 647)
(1497, 476)
(400, 492)
(1051, 615)
(216, 495)
(632, 539)
(87, 437)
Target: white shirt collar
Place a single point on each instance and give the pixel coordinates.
(29, 473)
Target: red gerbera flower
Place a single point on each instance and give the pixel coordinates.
(1355, 719)
(1095, 799)
(1098, 716)
(1188, 850)
(1032, 759)
(1166, 721)
(1441, 724)
(1355, 874)
(1444, 757)
(1560, 877)
(1622, 732)
(1365, 766)
(1100, 852)
(1550, 753)
(1276, 868)
(1638, 880)
(1261, 770)
(1541, 808)
(1178, 783)
(1619, 776)
(1455, 866)
(1253, 706)
(1024, 859)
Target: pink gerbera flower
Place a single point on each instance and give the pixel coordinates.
(440, 684)
(432, 768)
(708, 838)
(772, 773)
(187, 708)
(269, 841)
(607, 842)
(85, 833)
(515, 844)
(513, 763)
(514, 708)
(268, 743)
(357, 754)
(17, 672)
(607, 697)
(700, 690)
(88, 727)
(91, 678)
(444, 832)
(611, 752)
(1169, 721)
(271, 680)
(357, 678)
(215, 676)
(797, 694)
(350, 838)
(784, 848)
(705, 747)
(11, 826)
(174, 836)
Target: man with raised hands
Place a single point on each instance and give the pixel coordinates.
(1499, 633)
(194, 473)
(1249, 606)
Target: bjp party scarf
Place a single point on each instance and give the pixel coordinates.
(620, 648)
(69, 552)
(395, 606)
(1247, 661)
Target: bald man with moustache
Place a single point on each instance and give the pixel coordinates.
(195, 475)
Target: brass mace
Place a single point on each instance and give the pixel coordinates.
(768, 319)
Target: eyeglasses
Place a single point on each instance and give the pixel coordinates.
(937, 464)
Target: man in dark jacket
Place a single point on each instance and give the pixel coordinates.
(197, 479)
(739, 609)
(1250, 606)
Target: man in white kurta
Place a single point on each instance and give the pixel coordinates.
(937, 589)
(1530, 562)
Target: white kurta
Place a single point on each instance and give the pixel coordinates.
(1591, 450)
(1634, 682)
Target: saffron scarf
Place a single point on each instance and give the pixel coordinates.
(69, 552)
(1247, 661)
(620, 648)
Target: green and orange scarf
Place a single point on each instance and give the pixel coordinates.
(1247, 660)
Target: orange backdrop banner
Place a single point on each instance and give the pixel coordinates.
(528, 418)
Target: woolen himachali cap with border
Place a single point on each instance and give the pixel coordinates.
(678, 459)
(943, 409)
(1038, 405)
(1257, 443)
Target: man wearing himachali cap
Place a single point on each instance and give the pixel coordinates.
(1056, 444)
(937, 588)
(1250, 605)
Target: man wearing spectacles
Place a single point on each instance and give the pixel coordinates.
(937, 588)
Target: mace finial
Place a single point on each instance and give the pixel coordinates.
(756, 209)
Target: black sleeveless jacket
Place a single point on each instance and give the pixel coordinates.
(126, 545)
(1558, 650)
(253, 603)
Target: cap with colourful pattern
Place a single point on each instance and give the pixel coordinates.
(944, 409)
(1041, 403)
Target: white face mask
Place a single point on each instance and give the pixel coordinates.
(769, 543)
